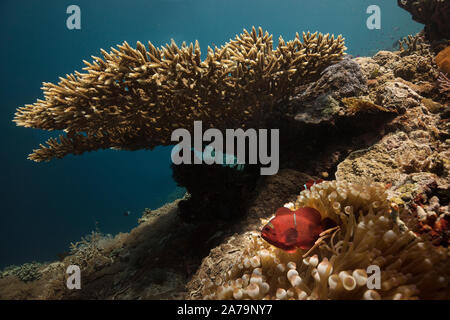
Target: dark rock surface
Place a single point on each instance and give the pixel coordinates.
(434, 14)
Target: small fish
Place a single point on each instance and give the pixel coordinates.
(310, 183)
(290, 230)
(397, 44)
(209, 154)
(97, 225)
(127, 213)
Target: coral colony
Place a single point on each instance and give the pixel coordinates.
(375, 127)
(134, 98)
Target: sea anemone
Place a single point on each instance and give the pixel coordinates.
(341, 268)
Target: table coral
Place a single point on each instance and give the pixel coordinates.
(135, 98)
(410, 267)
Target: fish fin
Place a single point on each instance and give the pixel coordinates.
(310, 214)
(283, 211)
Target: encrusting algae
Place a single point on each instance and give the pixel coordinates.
(355, 105)
(410, 267)
(134, 98)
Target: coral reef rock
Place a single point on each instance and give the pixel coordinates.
(343, 79)
(26, 272)
(434, 14)
(321, 100)
(398, 96)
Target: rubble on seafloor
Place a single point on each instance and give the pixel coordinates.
(376, 126)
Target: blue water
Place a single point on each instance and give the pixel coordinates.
(45, 206)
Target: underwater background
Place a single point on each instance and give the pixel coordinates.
(45, 206)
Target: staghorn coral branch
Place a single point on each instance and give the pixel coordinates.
(134, 98)
(444, 83)
(412, 44)
(122, 138)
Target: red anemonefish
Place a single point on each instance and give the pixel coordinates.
(301, 228)
(290, 230)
